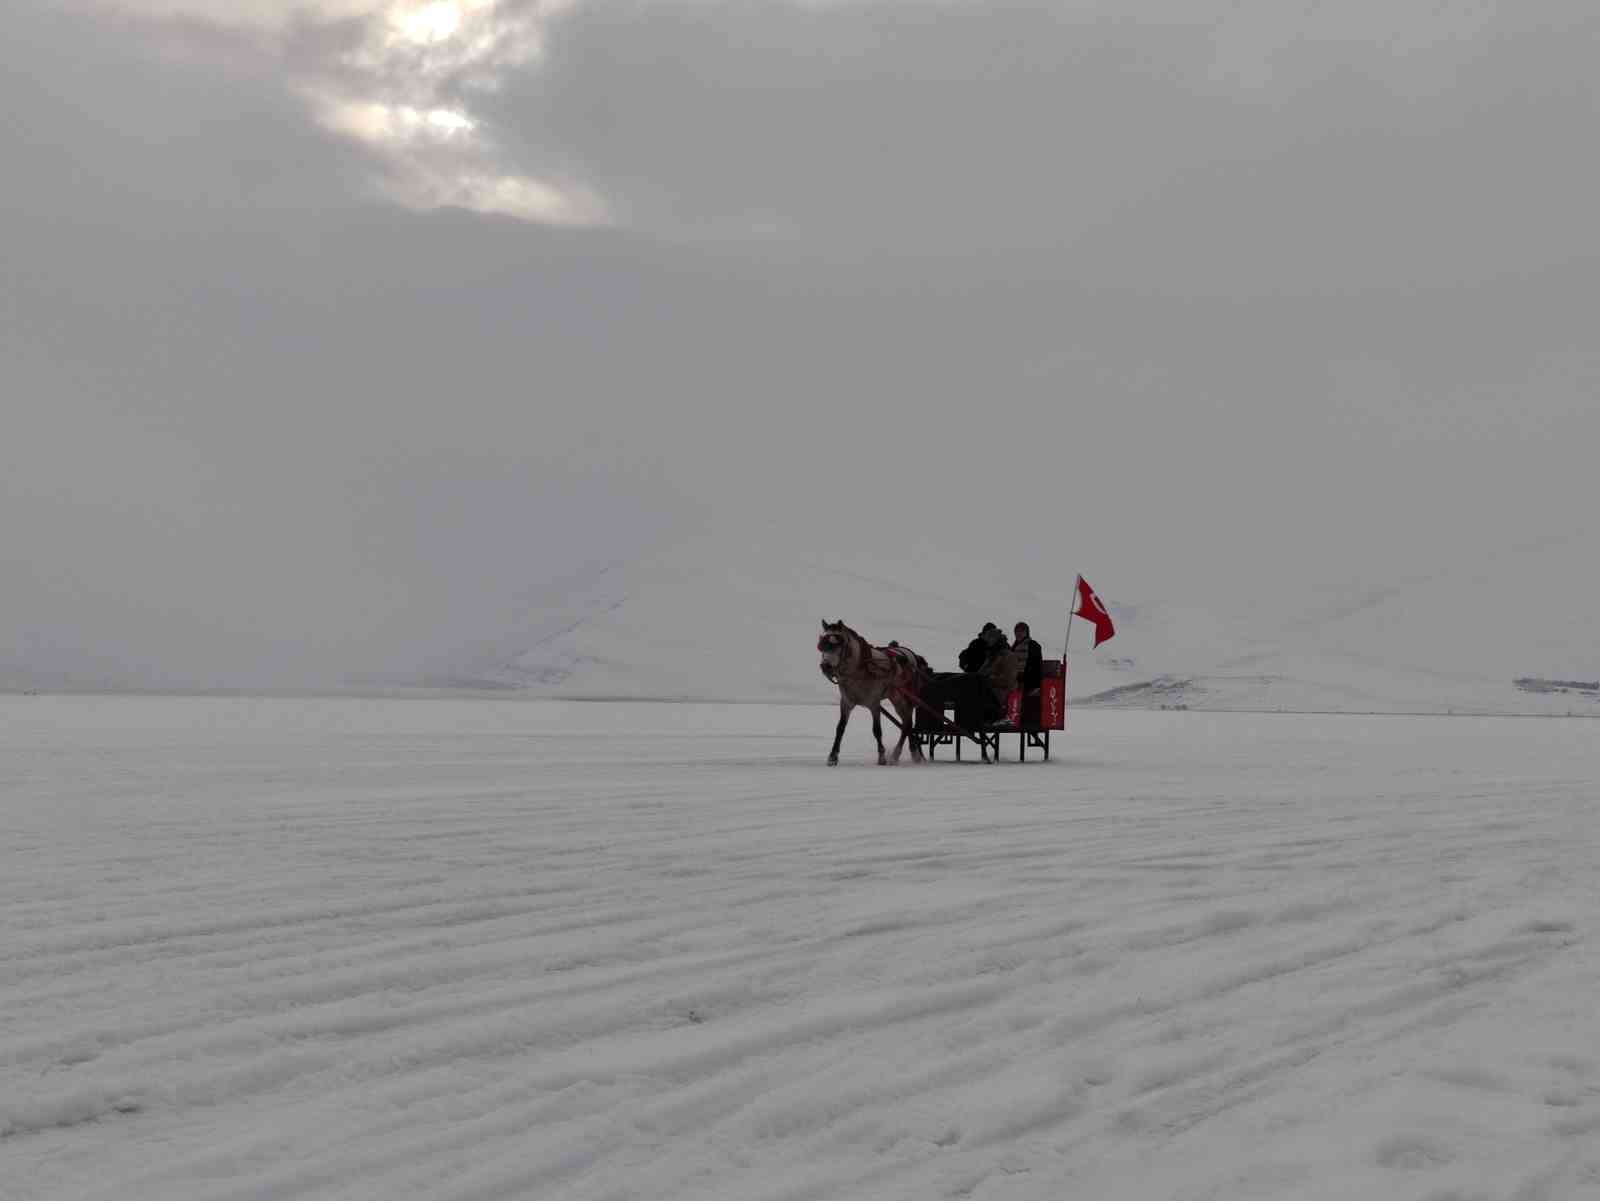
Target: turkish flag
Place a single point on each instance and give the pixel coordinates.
(1092, 608)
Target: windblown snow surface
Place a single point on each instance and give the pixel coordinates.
(472, 949)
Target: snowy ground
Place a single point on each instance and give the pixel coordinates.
(481, 949)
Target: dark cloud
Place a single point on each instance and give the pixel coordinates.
(1209, 148)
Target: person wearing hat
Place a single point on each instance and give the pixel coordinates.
(1032, 656)
(976, 657)
(974, 699)
(1002, 667)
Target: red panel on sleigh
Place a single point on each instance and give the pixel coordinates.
(1053, 703)
(1052, 700)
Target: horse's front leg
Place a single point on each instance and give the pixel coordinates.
(877, 733)
(838, 733)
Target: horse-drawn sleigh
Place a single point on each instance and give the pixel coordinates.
(870, 675)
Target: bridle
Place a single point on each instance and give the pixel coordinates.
(838, 642)
(835, 643)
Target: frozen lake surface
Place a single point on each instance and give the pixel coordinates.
(469, 949)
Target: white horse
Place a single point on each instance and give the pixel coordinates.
(869, 675)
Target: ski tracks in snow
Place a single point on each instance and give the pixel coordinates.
(478, 950)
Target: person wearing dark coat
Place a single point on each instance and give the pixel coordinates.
(1032, 655)
(976, 657)
(974, 700)
(987, 657)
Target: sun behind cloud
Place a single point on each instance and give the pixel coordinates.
(401, 87)
(405, 91)
(428, 24)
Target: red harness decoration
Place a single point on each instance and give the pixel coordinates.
(867, 658)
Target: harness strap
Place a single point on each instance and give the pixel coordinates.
(869, 664)
(867, 658)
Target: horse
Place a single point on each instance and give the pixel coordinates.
(869, 675)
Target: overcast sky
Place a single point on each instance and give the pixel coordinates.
(335, 336)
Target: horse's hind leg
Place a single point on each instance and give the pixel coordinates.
(907, 712)
(899, 746)
(838, 733)
(877, 733)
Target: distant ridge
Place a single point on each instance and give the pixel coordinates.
(1533, 684)
(726, 618)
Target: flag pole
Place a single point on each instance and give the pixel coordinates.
(1068, 638)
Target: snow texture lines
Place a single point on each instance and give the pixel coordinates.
(476, 950)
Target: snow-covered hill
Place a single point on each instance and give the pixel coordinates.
(724, 617)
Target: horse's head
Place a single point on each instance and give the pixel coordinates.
(834, 646)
